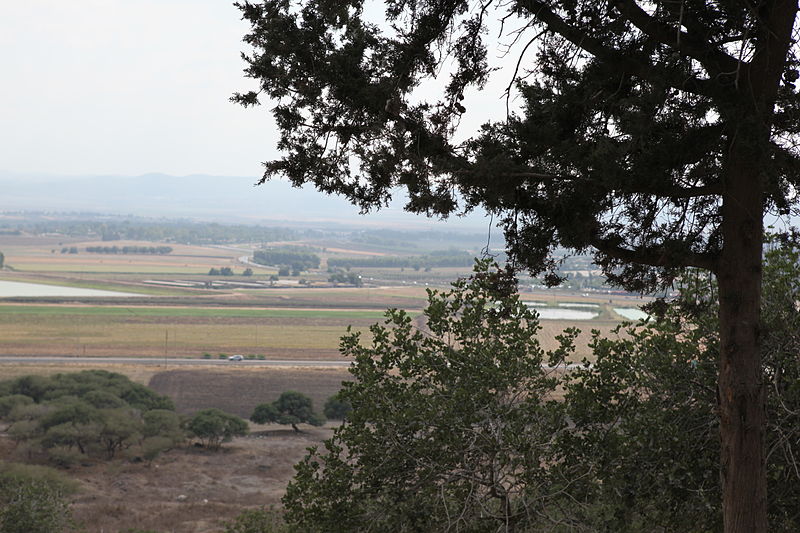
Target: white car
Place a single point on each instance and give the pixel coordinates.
(236, 358)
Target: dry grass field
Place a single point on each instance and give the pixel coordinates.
(30, 255)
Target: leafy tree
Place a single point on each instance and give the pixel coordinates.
(214, 272)
(162, 422)
(2, 259)
(213, 427)
(655, 133)
(247, 272)
(336, 407)
(8, 403)
(645, 411)
(32, 506)
(290, 408)
(451, 428)
(119, 429)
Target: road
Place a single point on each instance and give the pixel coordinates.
(65, 360)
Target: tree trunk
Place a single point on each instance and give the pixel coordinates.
(741, 393)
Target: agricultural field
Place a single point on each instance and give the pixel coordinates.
(174, 308)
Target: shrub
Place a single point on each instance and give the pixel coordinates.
(32, 506)
(213, 427)
(257, 521)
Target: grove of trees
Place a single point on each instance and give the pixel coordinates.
(298, 261)
(91, 413)
(657, 134)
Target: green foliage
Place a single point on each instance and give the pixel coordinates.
(2, 260)
(162, 422)
(336, 407)
(32, 506)
(451, 428)
(125, 250)
(646, 412)
(298, 261)
(635, 441)
(290, 408)
(172, 231)
(257, 521)
(19, 472)
(265, 413)
(8, 403)
(84, 413)
(440, 259)
(213, 427)
(351, 278)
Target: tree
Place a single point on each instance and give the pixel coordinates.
(213, 427)
(2, 259)
(451, 428)
(655, 133)
(290, 408)
(337, 408)
(645, 420)
(247, 272)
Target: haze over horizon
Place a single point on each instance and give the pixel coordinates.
(113, 90)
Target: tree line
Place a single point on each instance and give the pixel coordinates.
(297, 260)
(172, 231)
(442, 259)
(143, 250)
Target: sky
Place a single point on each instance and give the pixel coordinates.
(128, 87)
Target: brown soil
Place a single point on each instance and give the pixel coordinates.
(239, 390)
(187, 490)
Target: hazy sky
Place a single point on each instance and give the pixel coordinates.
(130, 87)
(126, 87)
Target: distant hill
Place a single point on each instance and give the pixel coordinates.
(217, 198)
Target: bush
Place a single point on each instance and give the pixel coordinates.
(213, 427)
(257, 521)
(32, 506)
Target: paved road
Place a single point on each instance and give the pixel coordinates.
(66, 360)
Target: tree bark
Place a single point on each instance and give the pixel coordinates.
(741, 393)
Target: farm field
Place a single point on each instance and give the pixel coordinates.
(176, 312)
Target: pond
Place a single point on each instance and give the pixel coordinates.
(630, 313)
(563, 313)
(11, 289)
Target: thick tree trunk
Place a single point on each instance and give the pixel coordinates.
(742, 401)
